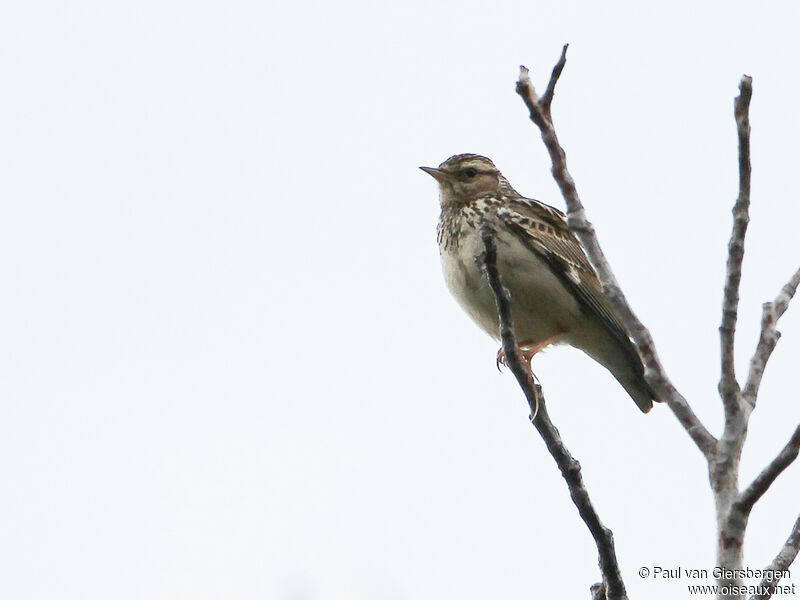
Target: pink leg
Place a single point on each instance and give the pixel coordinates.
(527, 351)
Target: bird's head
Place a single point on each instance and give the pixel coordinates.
(464, 177)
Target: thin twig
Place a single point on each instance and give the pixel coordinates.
(767, 341)
(787, 293)
(583, 229)
(761, 483)
(728, 386)
(488, 263)
(781, 563)
(598, 591)
(772, 311)
(569, 467)
(547, 98)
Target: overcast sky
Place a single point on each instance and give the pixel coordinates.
(230, 367)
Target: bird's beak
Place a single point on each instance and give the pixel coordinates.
(437, 174)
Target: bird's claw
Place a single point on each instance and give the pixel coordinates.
(526, 353)
(501, 360)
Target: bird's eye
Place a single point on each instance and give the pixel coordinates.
(470, 172)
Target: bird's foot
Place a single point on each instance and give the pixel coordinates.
(527, 351)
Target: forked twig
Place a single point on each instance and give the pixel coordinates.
(722, 455)
(539, 110)
(772, 312)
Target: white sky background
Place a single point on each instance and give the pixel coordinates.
(230, 367)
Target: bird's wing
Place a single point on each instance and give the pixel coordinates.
(544, 230)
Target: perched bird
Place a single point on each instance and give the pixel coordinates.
(556, 297)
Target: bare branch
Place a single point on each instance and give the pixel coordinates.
(761, 484)
(781, 563)
(598, 591)
(569, 467)
(767, 341)
(728, 386)
(722, 455)
(583, 229)
(488, 263)
(547, 99)
(786, 295)
(772, 311)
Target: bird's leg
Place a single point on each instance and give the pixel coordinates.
(527, 351)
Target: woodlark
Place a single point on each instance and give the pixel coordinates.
(556, 297)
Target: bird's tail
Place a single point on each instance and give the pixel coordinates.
(638, 389)
(627, 368)
(617, 353)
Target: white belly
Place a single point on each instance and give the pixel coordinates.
(541, 306)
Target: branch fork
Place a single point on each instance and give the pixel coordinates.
(723, 454)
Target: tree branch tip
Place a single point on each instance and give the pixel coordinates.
(745, 90)
(742, 102)
(525, 87)
(598, 591)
